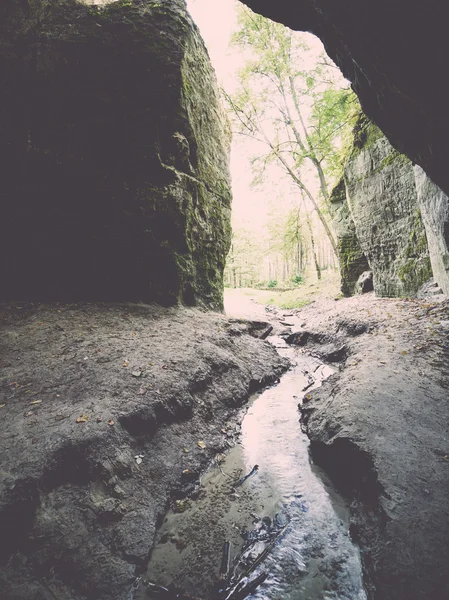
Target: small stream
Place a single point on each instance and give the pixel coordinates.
(314, 559)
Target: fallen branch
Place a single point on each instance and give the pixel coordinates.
(244, 590)
(243, 479)
(264, 553)
(225, 560)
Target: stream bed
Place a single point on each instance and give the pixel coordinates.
(286, 499)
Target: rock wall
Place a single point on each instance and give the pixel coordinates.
(114, 152)
(383, 202)
(394, 53)
(434, 206)
(352, 260)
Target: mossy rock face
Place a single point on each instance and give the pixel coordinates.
(383, 205)
(114, 151)
(352, 260)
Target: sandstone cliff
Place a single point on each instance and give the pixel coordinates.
(383, 203)
(351, 258)
(389, 217)
(434, 206)
(114, 153)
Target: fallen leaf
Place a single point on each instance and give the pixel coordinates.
(82, 419)
(125, 364)
(186, 450)
(446, 458)
(201, 445)
(36, 402)
(99, 419)
(138, 460)
(2, 405)
(164, 367)
(404, 352)
(136, 373)
(142, 390)
(223, 431)
(28, 414)
(219, 458)
(186, 471)
(111, 422)
(181, 505)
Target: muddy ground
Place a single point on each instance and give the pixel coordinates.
(80, 502)
(101, 410)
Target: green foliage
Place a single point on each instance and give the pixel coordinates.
(243, 262)
(282, 82)
(300, 112)
(335, 113)
(293, 303)
(297, 279)
(272, 283)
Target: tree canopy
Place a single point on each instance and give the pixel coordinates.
(294, 104)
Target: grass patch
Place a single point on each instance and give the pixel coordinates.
(311, 290)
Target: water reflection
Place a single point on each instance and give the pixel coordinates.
(316, 558)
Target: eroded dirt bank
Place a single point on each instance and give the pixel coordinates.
(101, 409)
(380, 427)
(80, 501)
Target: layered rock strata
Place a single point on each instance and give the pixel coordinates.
(383, 204)
(389, 217)
(434, 205)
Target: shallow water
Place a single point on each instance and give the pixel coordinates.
(315, 558)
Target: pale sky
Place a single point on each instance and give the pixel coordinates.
(216, 22)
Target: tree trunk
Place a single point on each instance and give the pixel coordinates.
(315, 258)
(312, 241)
